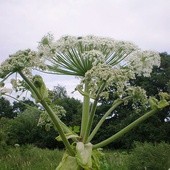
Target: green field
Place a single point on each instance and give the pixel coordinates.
(145, 156)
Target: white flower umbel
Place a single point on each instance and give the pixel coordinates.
(21, 60)
(76, 55)
(142, 62)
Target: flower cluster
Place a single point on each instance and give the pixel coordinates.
(110, 77)
(88, 49)
(138, 97)
(142, 62)
(21, 60)
(84, 44)
(45, 120)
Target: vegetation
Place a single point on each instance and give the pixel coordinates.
(107, 70)
(149, 156)
(143, 156)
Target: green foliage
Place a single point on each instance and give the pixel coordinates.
(29, 157)
(19, 107)
(68, 162)
(23, 129)
(149, 156)
(73, 108)
(116, 160)
(143, 155)
(99, 160)
(6, 108)
(4, 122)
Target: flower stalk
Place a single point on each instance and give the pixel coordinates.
(53, 116)
(126, 129)
(85, 112)
(117, 103)
(93, 110)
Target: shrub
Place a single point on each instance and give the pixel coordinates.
(149, 156)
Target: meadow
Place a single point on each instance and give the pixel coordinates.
(143, 156)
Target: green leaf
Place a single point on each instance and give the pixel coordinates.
(164, 95)
(83, 155)
(162, 104)
(68, 163)
(98, 159)
(68, 136)
(153, 102)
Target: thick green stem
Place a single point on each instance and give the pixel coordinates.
(52, 115)
(125, 130)
(56, 121)
(90, 121)
(117, 103)
(85, 112)
(93, 110)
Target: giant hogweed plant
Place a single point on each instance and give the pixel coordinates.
(103, 66)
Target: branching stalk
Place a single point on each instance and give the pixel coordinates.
(126, 129)
(93, 110)
(53, 116)
(117, 103)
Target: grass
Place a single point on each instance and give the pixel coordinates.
(33, 158)
(117, 160)
(30, 158)
(143, 156)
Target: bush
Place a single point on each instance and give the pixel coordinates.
(149, 156)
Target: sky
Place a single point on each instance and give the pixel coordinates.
(24, 22)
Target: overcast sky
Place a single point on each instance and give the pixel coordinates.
(24, 22)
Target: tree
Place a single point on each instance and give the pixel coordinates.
(20, 106)
(6, 108)
(24, 130)
(59, 92)
(100, 63)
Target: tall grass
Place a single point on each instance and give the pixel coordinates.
(33, 158)
(30, 158)
(143, 157)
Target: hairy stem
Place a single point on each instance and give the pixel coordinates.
(52, 115)
(125, 130)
